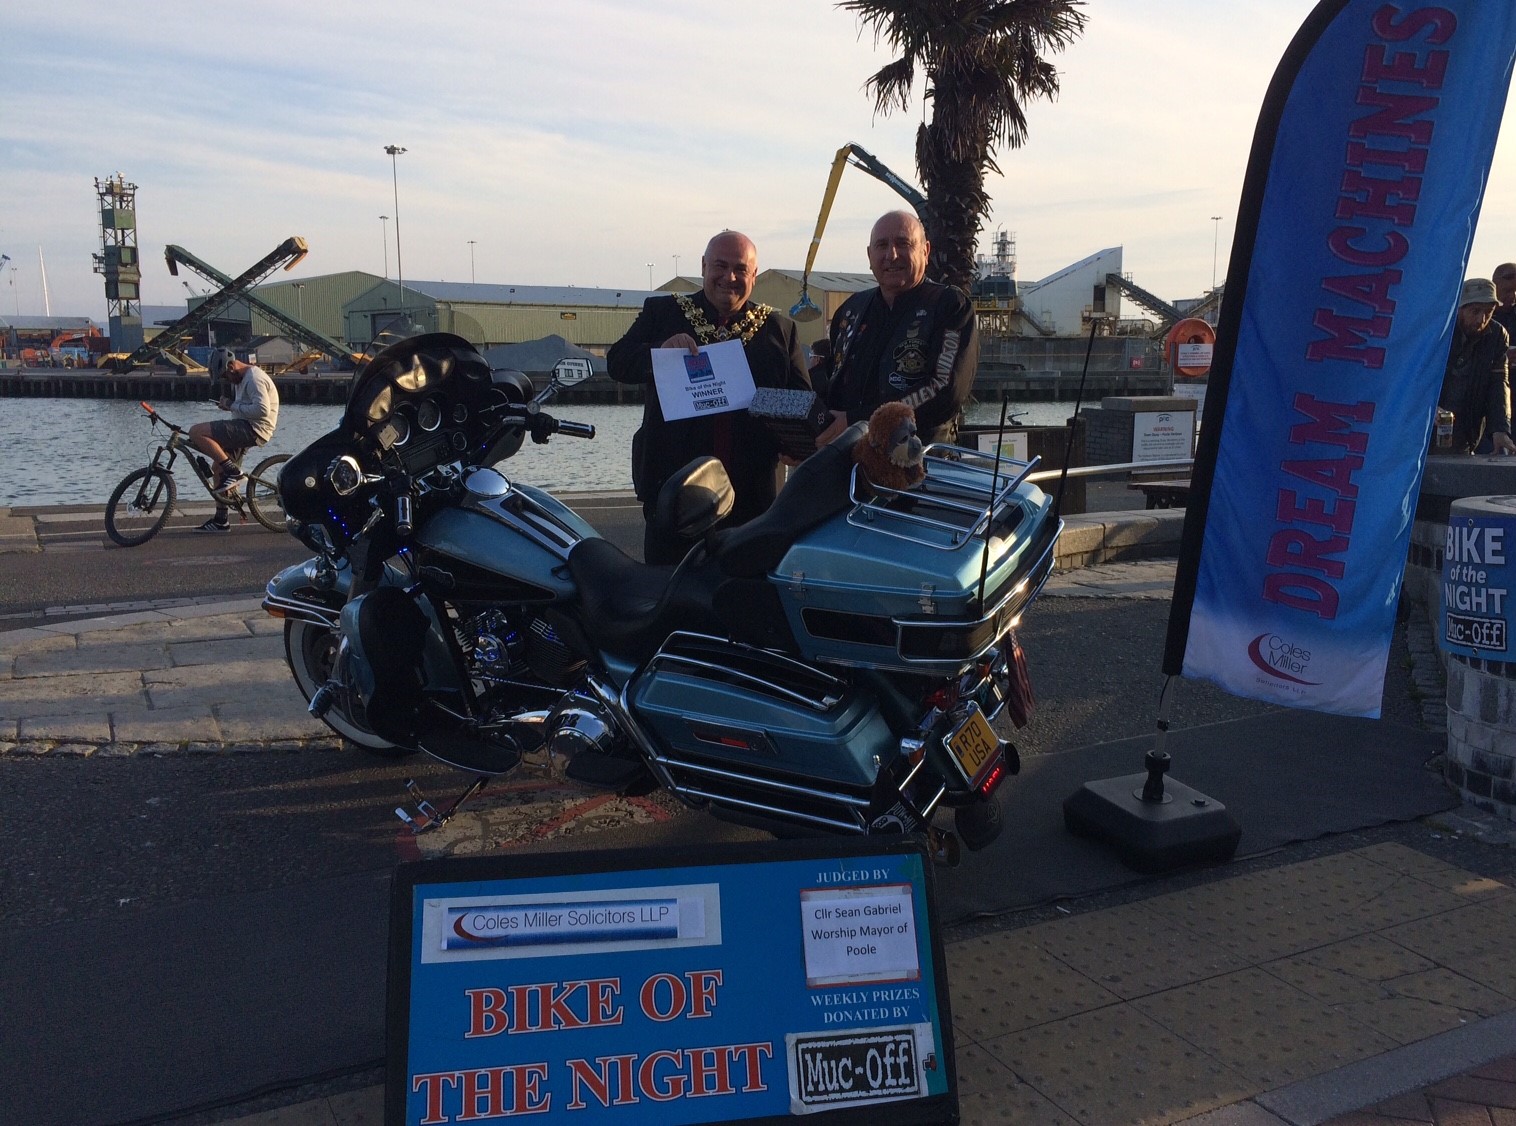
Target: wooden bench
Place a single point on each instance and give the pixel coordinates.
(1160, 488)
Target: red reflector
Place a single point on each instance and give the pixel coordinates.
(992, 779)
(943, 698)
(740, 744)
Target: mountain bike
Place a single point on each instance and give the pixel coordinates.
(144, 500)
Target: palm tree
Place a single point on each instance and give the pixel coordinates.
(983, 61)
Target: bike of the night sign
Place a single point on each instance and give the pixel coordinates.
(764, 982)
(1364, 186)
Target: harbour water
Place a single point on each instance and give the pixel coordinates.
(75, 451)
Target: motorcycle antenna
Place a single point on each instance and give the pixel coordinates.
(1068, 449)
(989, 518)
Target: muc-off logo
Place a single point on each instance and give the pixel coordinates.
(856, 1069)
(1281, 659)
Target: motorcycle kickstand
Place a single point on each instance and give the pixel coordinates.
(426, 816)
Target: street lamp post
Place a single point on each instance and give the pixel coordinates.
(394, 151)
(385, 228)
(650, 275)
(300, 300)
(471, 277)
(676, 265)
(1215, 239)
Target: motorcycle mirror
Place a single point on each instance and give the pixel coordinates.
(571, 370)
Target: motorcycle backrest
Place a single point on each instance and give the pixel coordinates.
(816, 491)
(695, 499)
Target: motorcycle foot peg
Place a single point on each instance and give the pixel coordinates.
(322, 700)
(426, 815)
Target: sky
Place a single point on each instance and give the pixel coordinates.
(595, 142)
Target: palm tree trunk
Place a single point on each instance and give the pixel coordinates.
(956, 205)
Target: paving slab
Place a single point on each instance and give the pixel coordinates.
(164, 725)
(100, 659)
(97, 691)
(161, 628)
(223, 652)
(270, 716)
(1262, 1027)
(80, 728)
(1018, 985)
(1116, 1065)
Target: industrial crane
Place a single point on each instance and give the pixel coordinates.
(168, 341)
(805, 309)
(296, 329)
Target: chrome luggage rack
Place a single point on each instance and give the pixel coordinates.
(951, 505)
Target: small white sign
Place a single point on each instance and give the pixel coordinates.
(1193, 356)
(714, 381)
(1163, 435)
(865, 934)
(1013, 447)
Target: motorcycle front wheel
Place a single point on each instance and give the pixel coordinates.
(140, 506)
(311, 651)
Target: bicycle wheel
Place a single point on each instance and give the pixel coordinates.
(263, 493)
(140, 506)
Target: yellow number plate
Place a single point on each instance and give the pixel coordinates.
(974, 743)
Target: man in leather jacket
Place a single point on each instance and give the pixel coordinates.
(908, 339)
(720, 311)
(1474, 383)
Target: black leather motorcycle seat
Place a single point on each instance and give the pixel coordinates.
(630, 607)
(817, 490)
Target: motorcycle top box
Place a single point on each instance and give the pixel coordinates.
(924, 579)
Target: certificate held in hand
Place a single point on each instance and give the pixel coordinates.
(714, 381)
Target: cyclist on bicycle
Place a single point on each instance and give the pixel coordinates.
(254, 406)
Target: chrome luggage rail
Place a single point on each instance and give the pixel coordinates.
(945, 510)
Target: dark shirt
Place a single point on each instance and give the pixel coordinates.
(744, 445)
(1505, 317)
(923, 351)
(1474, 387)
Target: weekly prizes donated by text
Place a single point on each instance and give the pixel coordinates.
(714, 381)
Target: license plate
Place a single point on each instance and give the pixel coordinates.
(973, 743)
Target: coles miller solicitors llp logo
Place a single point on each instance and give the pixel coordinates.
(1280, 659)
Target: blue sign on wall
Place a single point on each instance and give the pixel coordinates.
(736, 983)
(1478, 576)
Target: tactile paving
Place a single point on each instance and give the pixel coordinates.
(989, 1094)
(1283, 911)
(1477, 942)
(1001, 983)
(1382, 985)
(1117, 1066)
(1269, 1031)
(1133, 950)
(1439, 873)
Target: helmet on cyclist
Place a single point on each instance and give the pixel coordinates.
(220, 358)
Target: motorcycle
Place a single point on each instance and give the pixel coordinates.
(834, 666)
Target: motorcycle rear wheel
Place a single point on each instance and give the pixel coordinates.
(311, 651)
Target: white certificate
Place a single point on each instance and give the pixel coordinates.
(715, 381)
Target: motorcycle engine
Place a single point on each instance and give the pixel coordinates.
(502, 648)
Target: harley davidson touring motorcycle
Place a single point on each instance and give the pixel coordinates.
(833, 666)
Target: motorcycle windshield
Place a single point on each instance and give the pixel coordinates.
(406, 369)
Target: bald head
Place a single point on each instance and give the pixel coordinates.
(728, 270)
(898, 253)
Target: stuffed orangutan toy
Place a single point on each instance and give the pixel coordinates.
(890, 453)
